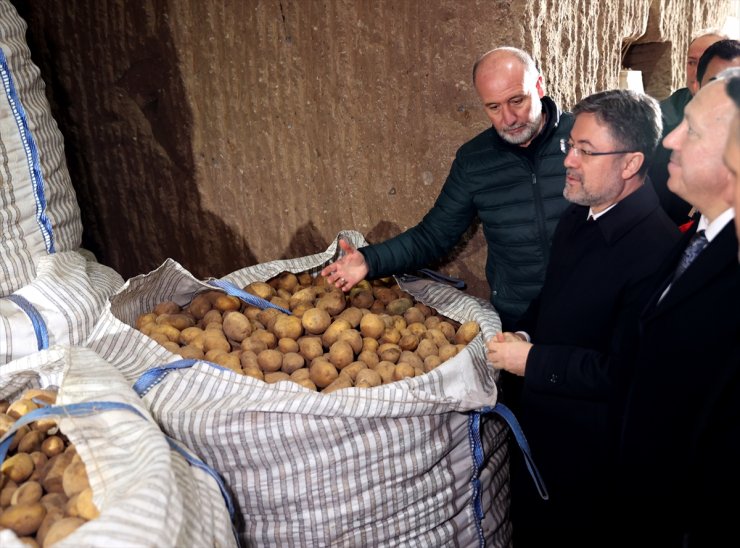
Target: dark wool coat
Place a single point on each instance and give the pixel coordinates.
(680, 451)
(584, 329)
(517, 193)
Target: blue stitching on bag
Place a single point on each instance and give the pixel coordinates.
(476, 452)
(248, 298)
(39, 325)
(32, 156)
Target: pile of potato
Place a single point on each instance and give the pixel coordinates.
(376, 334)
(45, 494)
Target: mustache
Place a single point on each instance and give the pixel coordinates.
(572, 174)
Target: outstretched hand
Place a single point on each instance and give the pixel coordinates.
(348, 270)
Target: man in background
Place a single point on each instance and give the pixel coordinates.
(510, 176)
(680, 446)
(716, 58)
(672, 109)
(731, 155)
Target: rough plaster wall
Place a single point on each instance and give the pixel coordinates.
(222, 134)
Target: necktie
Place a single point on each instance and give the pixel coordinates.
(696, 244)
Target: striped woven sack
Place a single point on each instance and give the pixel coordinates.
(413, 463)
(60, 306)
(149, 490)
(38, 207)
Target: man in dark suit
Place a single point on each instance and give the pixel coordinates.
(577, 335)
(680, 448)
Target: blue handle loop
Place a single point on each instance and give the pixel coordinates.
(39, 325)
(91, 408)
(154, 376)
(508, 415)
(248, 298)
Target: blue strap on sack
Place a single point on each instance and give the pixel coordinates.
(39, 325)
(505, 413)
(248, 298)
(154, 376)
(90, 408)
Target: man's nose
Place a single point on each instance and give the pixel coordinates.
(509, 115)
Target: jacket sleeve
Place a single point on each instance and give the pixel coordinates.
(431, 239)
(577, 372)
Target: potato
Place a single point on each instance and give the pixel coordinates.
(23, 519)
(427, 348)
(315, 321)
(306, 295)
(384, 294)
(254, 372)
(287, 281)
(6, 423)
(262, 290)
(331, 335)
(145, 319)
(431, 362)
(224, 303)
(412, 359)
(436, 336)
(367, 378)
(289, 327)
(214, 340)
(389, 352)
(292, 361)
(229, 360)
(254, 345)
(236, 325)
(353, 315)
(53, 514)
(52, 445)
(408, 342)
(61, 529)
(299, 374)
(286, 345)
(21, 407)
(447, 351)
(270, 360)
(45, 395)
(211, 317)
(265, 336)
(282, 302)
(276, 376)
(341, 354)
(447, 330)
(399, 306)
(310, 347)
(53, 473)
(370, 344)
(361, 298)
(414, 315)
(385, 370)
(248, 358)
(337, 384)
(333, 302)
(28, 492)
(7, 492)
(403, 371)
(199, 306)
(372, 326)
(369, 358)
(467, 332)
(432, 321)
(391, 335)
(353, 338)
(31, 442)
(18, 467)
(178, 321)
(322, 372)
(167, 307)
(190, 352)
(352, 369)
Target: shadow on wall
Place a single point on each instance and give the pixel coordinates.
(128, 140)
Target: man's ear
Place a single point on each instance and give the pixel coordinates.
(633, 163)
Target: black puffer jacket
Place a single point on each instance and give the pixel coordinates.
(518, 195)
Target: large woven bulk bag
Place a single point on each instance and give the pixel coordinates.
(146, 490)
(418, 462)
(38, 208)
(61, 305)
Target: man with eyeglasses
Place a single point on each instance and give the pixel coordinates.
(680, 444)
(576, 338)
(510, 177)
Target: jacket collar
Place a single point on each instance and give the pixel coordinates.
(626, 214)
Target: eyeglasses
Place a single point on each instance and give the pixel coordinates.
(566, 147)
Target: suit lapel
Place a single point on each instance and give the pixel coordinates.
(720, 254)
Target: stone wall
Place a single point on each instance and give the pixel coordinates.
(224, 134)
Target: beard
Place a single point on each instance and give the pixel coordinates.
(531, 129)
(578, 194)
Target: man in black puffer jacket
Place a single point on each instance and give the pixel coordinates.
(511, 176)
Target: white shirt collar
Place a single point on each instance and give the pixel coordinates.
(715, 227)
(597, 215)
